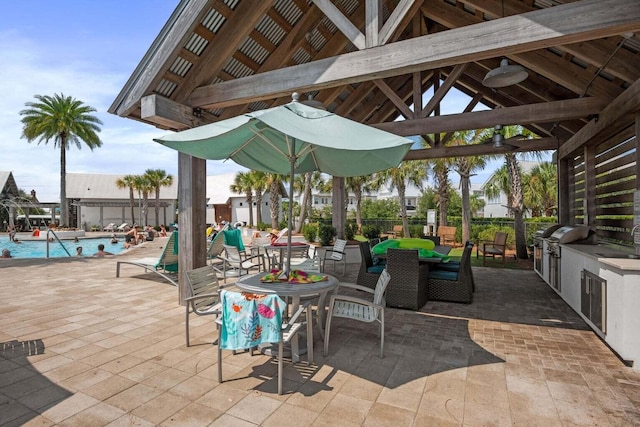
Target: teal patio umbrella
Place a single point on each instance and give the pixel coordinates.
(293, 138)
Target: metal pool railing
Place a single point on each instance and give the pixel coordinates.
(55, 236)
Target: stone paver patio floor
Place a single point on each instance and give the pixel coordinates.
(79, 347)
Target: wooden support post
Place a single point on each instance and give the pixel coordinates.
(565, 205)
(338, 201)
(191, 217)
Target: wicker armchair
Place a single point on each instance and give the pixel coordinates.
(409, 279)
(453, 286)
(366, 278)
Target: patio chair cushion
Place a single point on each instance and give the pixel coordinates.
(376, 268)
(443, 275)
(448, 266)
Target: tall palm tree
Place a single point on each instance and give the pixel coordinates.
(275, 183)
(440, 169)
(128, 181)
(359, 185)
(260, 185)
(243, 184)
(515, 179)
(64, 120)
(142, 186)
(302, 184)
(157, 178)
(465, 167)
(540, 190)
(411, 171)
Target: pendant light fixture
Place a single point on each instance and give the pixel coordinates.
(505, 75)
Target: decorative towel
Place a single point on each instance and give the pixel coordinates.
(250, 319)
(234, 238)
(295, 276)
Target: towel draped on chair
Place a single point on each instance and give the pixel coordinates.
(249, 320)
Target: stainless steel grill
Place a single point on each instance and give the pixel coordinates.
(563, 235)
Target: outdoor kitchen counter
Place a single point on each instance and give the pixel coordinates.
(609, 255)
(603, 286)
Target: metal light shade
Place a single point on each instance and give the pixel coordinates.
(498, 140)
(505, 75)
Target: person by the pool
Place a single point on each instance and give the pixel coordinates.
(101, 251)
(79, 251)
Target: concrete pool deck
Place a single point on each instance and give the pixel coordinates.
(79, 347)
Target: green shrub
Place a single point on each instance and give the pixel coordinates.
(310, 232)
(350, 230)
(263, 226)
(371, 231)
(416, 231)
(326, 233)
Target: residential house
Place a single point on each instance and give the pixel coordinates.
(497, 206)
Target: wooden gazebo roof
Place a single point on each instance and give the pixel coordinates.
(370, 60)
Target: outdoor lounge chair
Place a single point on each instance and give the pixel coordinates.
(166, 263)
(215, 250)
(111, 227)
(456, 285)
(355, 308)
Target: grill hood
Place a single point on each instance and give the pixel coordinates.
(569, 233)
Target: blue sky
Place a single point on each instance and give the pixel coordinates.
(87, 50)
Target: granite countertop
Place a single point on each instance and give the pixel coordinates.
(613, 256)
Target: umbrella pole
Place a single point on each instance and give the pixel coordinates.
(292, 160)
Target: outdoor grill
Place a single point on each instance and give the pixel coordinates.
(539, 250)
(564, 234)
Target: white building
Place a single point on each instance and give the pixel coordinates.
(225, 205)
(96, 201)
(497, 206)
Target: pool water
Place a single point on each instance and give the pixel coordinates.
(38, 248)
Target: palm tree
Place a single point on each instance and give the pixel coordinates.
(466, 166)
(411, 171)
(440, 169)
(128, 181)
(540, 189)
(260, 185)
(157, 178)
(142, 186)
(275, 182)
(359, 185)
(302, 184)
(64, 120)
(515, 178)
(243, 184)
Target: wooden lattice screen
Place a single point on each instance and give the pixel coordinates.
(602, 182)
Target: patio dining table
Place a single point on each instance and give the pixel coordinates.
(295, 291)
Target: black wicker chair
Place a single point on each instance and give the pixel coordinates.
(365, 278)
(409, 279)
(453, 286)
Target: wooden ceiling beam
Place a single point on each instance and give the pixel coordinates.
(624, 64)
(543, 62)
(625, 104)
(170, 114)
(534, 113)
(530, 31)
(539, 144)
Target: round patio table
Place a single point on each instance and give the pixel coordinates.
(295, 291)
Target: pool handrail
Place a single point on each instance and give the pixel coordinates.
(50, 231)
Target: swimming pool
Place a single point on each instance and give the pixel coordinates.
(38, 249)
